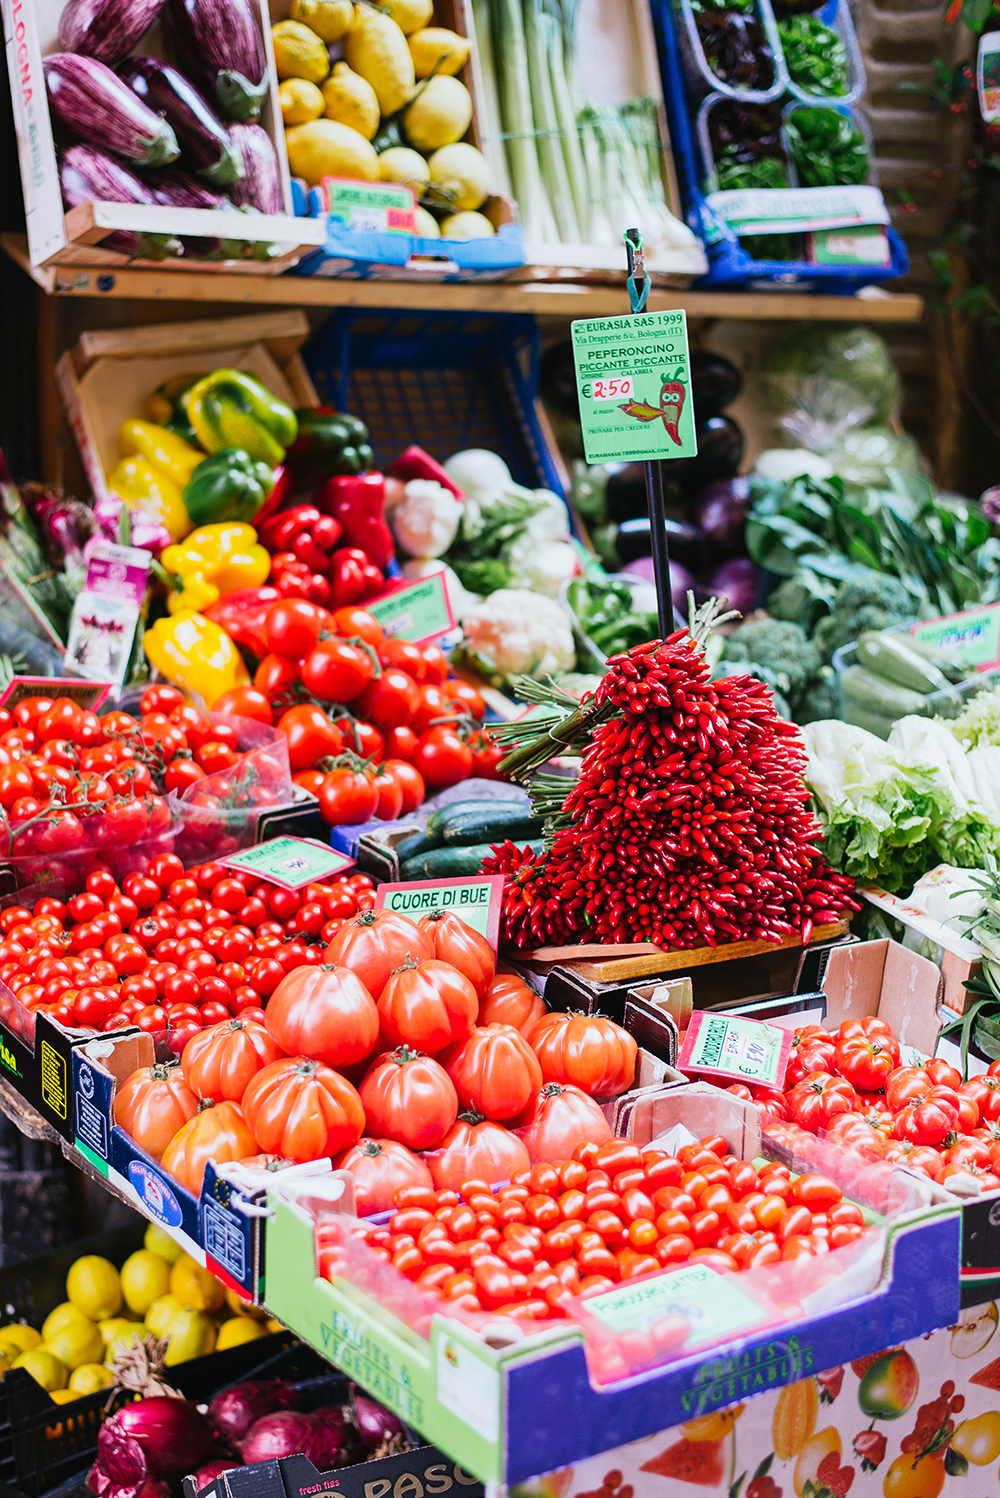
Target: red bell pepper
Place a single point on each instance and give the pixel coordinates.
(414, 463)
(357, 502)
(353, 578)
(241, 614)
(279, 494)
(294, 579)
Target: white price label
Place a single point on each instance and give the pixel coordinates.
(611, 389)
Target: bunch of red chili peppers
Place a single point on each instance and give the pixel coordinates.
(689, 824)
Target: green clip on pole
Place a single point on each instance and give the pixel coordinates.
(639, 296)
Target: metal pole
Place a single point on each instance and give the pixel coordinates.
(638, 296)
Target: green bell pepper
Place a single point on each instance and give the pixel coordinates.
(329, 443)
(227, 486)
(229, 408)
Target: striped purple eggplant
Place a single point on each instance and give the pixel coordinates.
(106, 29)
(174, 188)
(260, 185)
(204, 139)
(89, 101)
(220, 42)
(87, 175)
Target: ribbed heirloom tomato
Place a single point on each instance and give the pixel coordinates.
(510, 1001)
(325, 1012)
(495, 1071)
(426, 1005)
(219, 1132)
(818, 1098)
(587, 1050)
(464, 948)
(380, 1168)
(221, 1062)
(376, 942)
(476, 1149)
(865, 1062)
(558, 1120)
(152, 1105)
(303, 1110)
(409, 1098)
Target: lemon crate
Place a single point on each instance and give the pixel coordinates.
(443, 380)
(43, 1444)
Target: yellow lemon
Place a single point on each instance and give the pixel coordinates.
(243, 1308)
(274, 1325)
(298, 52)
(301, 101)
(439, 115)
(330, 19)
(90, 1376)
(60, 1317)
(65, 1396)
(123, 1340)
(376, 48)
(94, 1287)
(409, 15)
(79, 1342)
(325, 148)
(159, 1241)
(195, 1287)
(114, 1326)
(351, 100)
(467, 226)
(435, 47)
(191, 1335)
(461, 176)
(238, 1329)
(162, 1314)
(400, 164)
(22, 1337)
(45, 1368)
(145, 1277)
(427, 225)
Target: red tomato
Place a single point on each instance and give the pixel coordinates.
(160, 699)
(326, 1013)
(214, 756)
(486, 756)
(432, 706)
(348, 796)
(245, 702)
(292, 627)
(275, 677)
(435, 665)
(405, 655)
(409, 1098)
(375, 943)
(865, 1061)
(870, 1028)
(380, 1168)
(985, 1093)
(905, 1085)
(926, 1122)
(818, 1098)
(336, 671)
(410, 783)
(427, 1005)
(311, 736)
(466, 698)
(400, 743)
(390, 797)
(354, 622)
(390, 700)
(442, 758)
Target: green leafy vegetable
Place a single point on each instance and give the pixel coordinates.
(827, 149)
(815, 55)
(765, 171)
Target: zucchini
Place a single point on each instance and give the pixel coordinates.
(887, 656)
(948, 662)
(411, 845)
(483, 822)
(458, 861)
(877, 696)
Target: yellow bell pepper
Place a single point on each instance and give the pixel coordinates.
(141, 486)
(192, 652)
(164, 449)
(214, 560)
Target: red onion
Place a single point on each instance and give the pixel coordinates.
(720, 513)
(341, 1436)
(286, 1433)
(234, 1410)
(120, 1469)
(211, 1470)
(680, 579)
(171, 1433)
(738, 580)
(374, 1422)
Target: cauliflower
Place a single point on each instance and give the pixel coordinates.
(479, 472)
(426, 521)
(551, 523)
(542, 566)
(460, 598)
(516, 632)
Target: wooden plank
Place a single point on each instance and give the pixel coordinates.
(643, 959)
(542, 299)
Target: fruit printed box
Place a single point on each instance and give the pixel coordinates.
(916, 1420)
(515, 1403)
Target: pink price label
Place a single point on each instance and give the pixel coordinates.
(86, 694)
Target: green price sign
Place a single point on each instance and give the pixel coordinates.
(418, 611)
(290, 861)
(634, 385)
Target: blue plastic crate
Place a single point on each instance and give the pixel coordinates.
(443, 380)
(728, 263)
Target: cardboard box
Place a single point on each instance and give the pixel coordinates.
(32, 33)
(521, 1403)
(108, 376)
(408, 1475)
(956, 955)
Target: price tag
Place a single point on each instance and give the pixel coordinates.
(973, 635)
(476, 901)
(744, 1050)
(378, 207)
(86, 694)
(289, 862)
(634, 386)
(713, 1305)
(418, 611)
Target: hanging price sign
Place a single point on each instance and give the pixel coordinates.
(634, 384)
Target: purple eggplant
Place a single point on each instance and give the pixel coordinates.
(220, 42)
(89, 101)
(204, 139)
(260, 185)
(88, 175)
(106, 29)
(174, 188)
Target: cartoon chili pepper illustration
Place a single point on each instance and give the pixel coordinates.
(672, 395)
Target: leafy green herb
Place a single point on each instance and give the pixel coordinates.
(766, 171)
(827, 149)
(815, 55)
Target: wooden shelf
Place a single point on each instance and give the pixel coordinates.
(540, 298)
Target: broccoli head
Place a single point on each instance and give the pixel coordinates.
(779, 651)
(878, 602)
(484, 576)
(820, 700)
